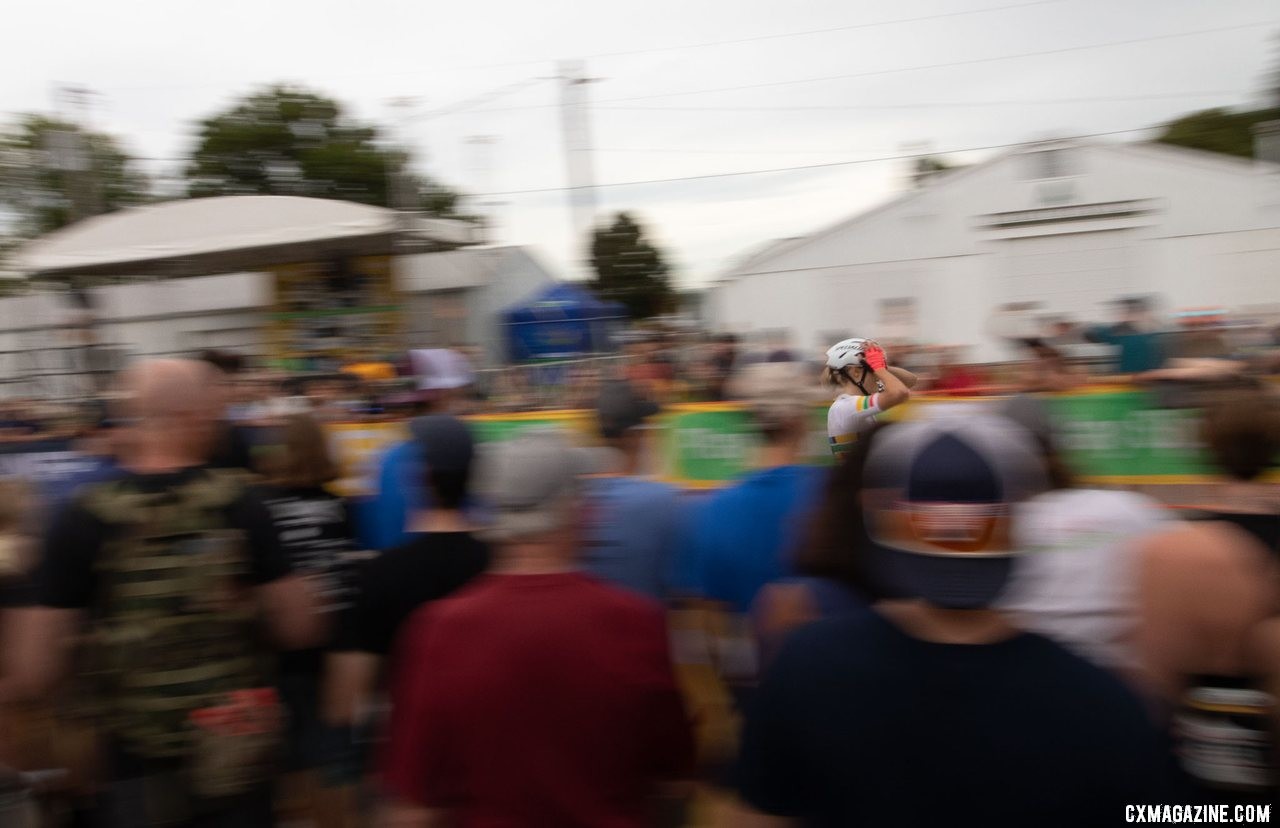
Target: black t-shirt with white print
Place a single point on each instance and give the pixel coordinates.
(317, 536)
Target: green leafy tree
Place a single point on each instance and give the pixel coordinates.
(630, 270)
(53, 173)
(1228, 131)
(291, 141)
(1217, 130)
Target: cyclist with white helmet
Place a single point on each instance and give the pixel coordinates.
(868, 386)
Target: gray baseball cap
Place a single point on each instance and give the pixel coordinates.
(777, 392)
(528, 482)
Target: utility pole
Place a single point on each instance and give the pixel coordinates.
(482, 168)
(576, 122)
(71, 153)
(400, 195)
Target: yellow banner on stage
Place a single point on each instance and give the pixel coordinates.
(332, 312)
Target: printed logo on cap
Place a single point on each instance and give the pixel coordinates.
(946, 528)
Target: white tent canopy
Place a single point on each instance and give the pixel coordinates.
(209, 235)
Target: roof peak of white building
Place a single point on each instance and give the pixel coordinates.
(1161, 152)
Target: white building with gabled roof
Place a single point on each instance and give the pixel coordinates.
(178, 277)
(1067, 225)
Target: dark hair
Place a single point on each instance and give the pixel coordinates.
(448, 487)
(835, 542)
(1032, 414)
(772, 433)
(1242, 432)
(304, 460)
(1057, 470)
(228, 362)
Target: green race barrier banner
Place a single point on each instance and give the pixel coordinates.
(704, 445)
(1108, 436)
(1111, 436)
(1124, 437)
(490, 427)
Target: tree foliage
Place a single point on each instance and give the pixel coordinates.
(630, 269)
(53, 173)
(1217, 130)
(291, 141)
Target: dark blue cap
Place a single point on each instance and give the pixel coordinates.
(939, 505)
(445, 442)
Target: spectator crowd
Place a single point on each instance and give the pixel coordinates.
(941, 626)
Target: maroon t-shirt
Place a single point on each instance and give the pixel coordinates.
(536, 700)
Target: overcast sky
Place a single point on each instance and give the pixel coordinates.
(949, 74)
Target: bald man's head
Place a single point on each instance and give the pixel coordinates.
(160, 389)
(175, 406)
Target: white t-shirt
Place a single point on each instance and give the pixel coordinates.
(1075, 581)
(849, 416)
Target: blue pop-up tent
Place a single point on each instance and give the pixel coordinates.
(563, 320)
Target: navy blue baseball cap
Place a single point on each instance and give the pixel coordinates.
(938, 500)
(445, 440)
(619, 408)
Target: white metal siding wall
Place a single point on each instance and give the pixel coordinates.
(797, 302)
(814, 306)
(1215, 239)
(856, 294)
(438, 319)
(1070, 273)
(1252, 268)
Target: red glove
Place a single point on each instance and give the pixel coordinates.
(874, 358)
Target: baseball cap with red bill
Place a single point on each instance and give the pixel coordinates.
(939, 501)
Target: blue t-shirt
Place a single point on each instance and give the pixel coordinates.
(631, 534)
(400, 493)
(57, 471)
(742, 537)
(857, 723)
(97, 469)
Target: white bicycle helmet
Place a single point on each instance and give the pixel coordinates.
(847, 352)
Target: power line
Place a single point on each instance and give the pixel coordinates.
(818, 108)
(802, 167)
(851, 27)
(678, 151)
(707, 151)
(834, 108)
(603, 103)
(482, 98)
(928, 105)
(949, 64)
(467, 104)
(650, 49)
(449, 109)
